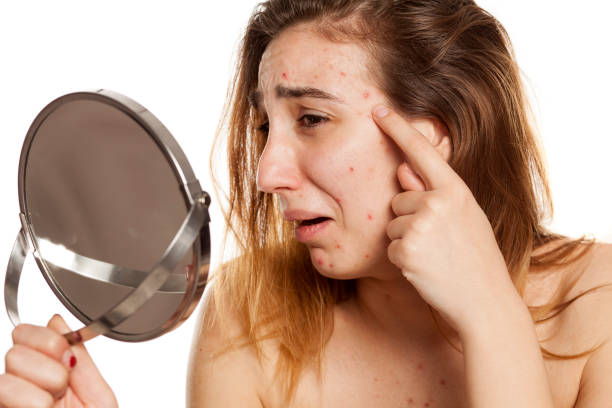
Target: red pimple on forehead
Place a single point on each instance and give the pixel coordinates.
(351, 169)
(331, 265)
(419, 366)
(427, 404)
(443, 382)
(366, 256)
(410, 401)
(369, 216)
(343, 73)
(366, 95)
(338, 246)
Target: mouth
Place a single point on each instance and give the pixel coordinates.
(313, 221)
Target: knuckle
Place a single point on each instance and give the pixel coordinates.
(434, 203)
(13, 356)
(18, 333)
(55, 344)
(59, 382)
(407, 249)
(419, 223)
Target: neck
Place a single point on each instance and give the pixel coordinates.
(394, 307)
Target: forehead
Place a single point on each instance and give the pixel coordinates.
(302, 57)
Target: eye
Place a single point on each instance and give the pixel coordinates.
(310, 120)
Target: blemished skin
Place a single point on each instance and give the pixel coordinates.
(404, 224)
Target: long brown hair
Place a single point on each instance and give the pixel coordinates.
(444, 59)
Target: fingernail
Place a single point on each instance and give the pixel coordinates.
(68, 359)
(381, 111)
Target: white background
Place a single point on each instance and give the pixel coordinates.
(176, 58)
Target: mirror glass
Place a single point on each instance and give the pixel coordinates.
(98, 191)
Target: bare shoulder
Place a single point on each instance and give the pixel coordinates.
(593, 312)
(587, 318)
(218, 375)
(583, 325)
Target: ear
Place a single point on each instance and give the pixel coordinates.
(437, 133)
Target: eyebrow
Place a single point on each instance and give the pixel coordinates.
(256, 96)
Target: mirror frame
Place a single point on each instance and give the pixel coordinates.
(195, 199)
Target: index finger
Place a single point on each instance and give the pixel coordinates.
(42, 339)
(421, 155)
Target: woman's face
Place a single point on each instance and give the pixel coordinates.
(325, 156)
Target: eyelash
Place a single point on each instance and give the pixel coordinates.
(314, 121)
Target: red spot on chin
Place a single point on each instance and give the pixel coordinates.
(367, 256)
(285, 76)
(410, 401)
(320, 261)
(352, 169)
(338, 246)
(331, 265)
(369, 216)
(343, 74)
(443, 381)
(420, 366)
(366, 95)
(427, 404)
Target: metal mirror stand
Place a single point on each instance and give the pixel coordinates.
(145, 283)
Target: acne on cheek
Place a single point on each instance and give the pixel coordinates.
(370, 217)
(285, 77)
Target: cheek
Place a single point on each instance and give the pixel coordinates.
(359, 168)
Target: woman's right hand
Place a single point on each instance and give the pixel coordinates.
(43, 370)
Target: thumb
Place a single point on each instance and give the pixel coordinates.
(409, 180)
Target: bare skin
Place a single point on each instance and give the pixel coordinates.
(385, 349)
(386, 179)
(366, 364)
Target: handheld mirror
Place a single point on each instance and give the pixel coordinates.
(114, 216)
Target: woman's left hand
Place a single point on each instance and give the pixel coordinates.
(441, 239)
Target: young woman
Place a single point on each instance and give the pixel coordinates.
(387, 196)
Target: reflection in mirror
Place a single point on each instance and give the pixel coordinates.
(104, 199)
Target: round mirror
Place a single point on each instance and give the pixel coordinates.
(114, 215)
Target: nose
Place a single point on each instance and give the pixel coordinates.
(278, 168)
